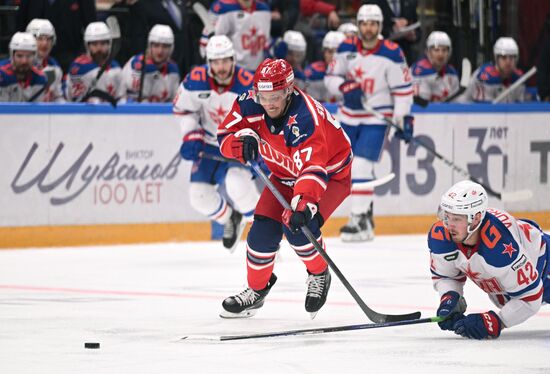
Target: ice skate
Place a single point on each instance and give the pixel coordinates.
(233, 230)
(360, 227)
(317, 290)
(246, 303)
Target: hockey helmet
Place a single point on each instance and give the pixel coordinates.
(464, 198)
(370, 12)
(273, 75)
(505, 46)
(39, 27)
(349, 29)
(161, 34)
(22, 41)
(295, 41)
(438, 39)
(219, 46)
(333, 39)
(97, 31)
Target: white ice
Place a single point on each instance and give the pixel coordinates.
(139, 300)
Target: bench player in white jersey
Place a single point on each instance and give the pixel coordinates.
(490, 79)
(248, 24)
(372, 69)
(203, 100)
(20, 80)
(315, 72)
(160, 75)
(506, 257)
(86, 72)
(309, 156)
(292, 48)
(44, 32)
(433, 78)
(349, 29)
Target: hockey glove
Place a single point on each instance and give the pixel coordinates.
(301, 214)
(244, 145)
(193, 144)
(406, 129)
(452, 306)
(479, 326)
(353, 95)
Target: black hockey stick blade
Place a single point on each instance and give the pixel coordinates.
(420, 101)
(312, 331)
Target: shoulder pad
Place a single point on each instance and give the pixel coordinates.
(391, 51)
(451, 70)
(52, 61)
(422, 67)
(197, 79)
(300, 124)
(497, 246)
(225, 6)
(348, 45)
(243, 80)
(316, 70)
(173, 67)
(488, 73)
(261, 6)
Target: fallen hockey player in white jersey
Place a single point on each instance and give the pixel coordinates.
(204, 99)
(93, 71)
(156, 80)
(504, 256)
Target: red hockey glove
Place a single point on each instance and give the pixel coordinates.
(301, 215)
(479, 326)
(244, 145)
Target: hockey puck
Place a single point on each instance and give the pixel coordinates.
(91, 345)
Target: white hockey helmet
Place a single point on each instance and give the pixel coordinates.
(22, 41)
(39, 27)
(370, 12)
(333, 39)
(97, 31)
(295, 41)
(438, 39)
(349, 29)
(219, 46)
(161, 34)
(505, 46)
(465, 198)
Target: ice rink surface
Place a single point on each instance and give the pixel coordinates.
(139, 300)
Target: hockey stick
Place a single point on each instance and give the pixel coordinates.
(366, 186)
(313, 331)
(202, 13)
(511, 196)
(360, 186)
(515, 85)
(464, 80)
(371, 314)
(50, 78)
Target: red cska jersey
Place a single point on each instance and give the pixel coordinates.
(304, 148)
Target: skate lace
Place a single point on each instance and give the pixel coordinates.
(247, 297)
(315, 285)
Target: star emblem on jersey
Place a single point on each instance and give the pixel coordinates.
(471, 274)
(525, 227)
(359, 72)
(509, 249)
(292, 121)
(253, 30)
(217, 115)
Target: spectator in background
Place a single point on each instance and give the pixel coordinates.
(433, 78)
(543, 72)
(284, 15)
(311, 7)
(153, 77)
(315, 72)
(69, 18)
(44, 32)
(20, 80)
(93, 71)
(490, 79)
(397, 15)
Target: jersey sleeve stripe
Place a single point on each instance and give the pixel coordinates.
(410, 92)
(531, 287)
(534, 297)
(313, 178)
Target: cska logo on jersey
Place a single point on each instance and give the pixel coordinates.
(253, 41)
(218, 115)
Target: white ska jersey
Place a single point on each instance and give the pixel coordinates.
(12, 90)
(486, 84)
(509, 263)
(82, 78)
(248, 30)
(160, 83)
(384, 77)
(201, 103)
(434, 85)
(54, 93)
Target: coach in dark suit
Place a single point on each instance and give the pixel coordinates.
(397, 14)
(68, 17)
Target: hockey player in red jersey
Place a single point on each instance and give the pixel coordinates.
(504, 256)
(291, 131)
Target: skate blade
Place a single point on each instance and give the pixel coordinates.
(360, 237)
(244, 314)
(313, 314)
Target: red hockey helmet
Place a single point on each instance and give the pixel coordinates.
(273, 75)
